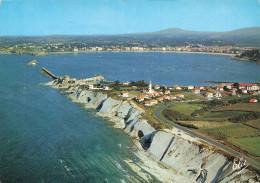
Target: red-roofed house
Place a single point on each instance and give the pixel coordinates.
(176, 87)
(196, 91)
(217, 94)
(157, 87)
(160, 99)
(209, 95)
(253, 87)
(202, 88)
(150, 95)
(124, 94)
(190, 87)
(148, 103)
(220, 88)
(179, 96)
(160, 93)
(139, 99)
(228, 87)
(166, 97)
(242, 85)
(252, 100)
(172, 97)
(167, 92)
(244, 90)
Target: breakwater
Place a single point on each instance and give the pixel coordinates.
(48, 73)
(185, 158)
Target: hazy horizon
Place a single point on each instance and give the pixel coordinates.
(119, 33)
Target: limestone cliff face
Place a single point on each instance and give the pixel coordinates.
(189, 161)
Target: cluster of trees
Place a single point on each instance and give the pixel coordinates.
(245, 117)
(140, 83)
(177, 117)
(174, 116)
(116, 85)
(253, 55)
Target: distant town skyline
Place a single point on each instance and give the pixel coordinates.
(85, 17)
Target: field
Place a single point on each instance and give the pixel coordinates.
(219, 115)
(187, 109)
(254, 123)
(241, 107)
(215, 124)
(251, 144)
(232, 130)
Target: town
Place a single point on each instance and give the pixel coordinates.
(149, 95)
(50, 48)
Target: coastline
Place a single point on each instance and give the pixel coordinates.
(171, 153)
(149, 51)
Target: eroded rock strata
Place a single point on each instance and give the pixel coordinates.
(189, 161)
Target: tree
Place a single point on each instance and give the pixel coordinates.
(117, 83)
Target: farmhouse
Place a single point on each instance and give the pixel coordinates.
(124, 94)
(160, 99)
(167, 92)
(252, 100)
(220, 88)
(217, 94)
(127, 83)
(179, 96)
(243, 90)
(176, 87)
(209, 95)
(190, 87)
(157, 87)
(196, 91)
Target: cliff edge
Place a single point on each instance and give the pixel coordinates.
(187, 158)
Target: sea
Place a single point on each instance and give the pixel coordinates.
(44, 137)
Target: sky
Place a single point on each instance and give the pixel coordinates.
(95, 17)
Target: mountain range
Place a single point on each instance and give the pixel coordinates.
(173, 36)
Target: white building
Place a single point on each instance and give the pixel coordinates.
(106, 88)
(124, 94)
(150, 87)
(190, 87)
(127, 83)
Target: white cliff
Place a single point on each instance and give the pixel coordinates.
(188, 161)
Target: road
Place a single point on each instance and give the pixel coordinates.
(203, 138)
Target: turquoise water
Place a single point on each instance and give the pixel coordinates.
(44, 137)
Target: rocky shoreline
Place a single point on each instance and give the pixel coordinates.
(169, 155)
(245, 58)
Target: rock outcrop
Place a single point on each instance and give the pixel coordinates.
(189, 161)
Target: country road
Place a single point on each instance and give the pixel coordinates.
(203, 138)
